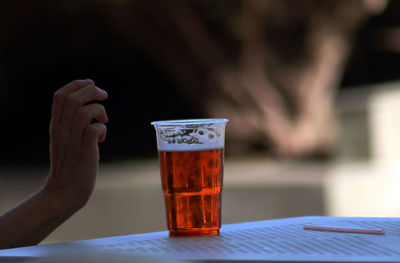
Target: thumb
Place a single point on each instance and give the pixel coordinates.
(93, 134)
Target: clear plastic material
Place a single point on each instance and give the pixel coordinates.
(191, 155)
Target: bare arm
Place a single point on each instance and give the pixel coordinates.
(74, 158)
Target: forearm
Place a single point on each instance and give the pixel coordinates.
(33, 220)
(74, 160)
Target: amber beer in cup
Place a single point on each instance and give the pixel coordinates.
(191, 156)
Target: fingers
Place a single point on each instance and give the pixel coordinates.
(93, 134)
(78, 99)
(57, 110)
(67, 101)
(64, 92)
(82, 119)
(96, 132)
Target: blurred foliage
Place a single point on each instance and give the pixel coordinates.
(269, 66)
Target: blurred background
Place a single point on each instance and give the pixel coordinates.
(311, 89)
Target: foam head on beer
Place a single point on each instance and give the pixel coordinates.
(191, 154)
(190, 135)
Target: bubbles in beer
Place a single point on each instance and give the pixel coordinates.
(192, 185)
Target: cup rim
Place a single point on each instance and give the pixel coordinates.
(188, 122)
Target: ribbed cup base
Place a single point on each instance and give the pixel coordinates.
(193, 233)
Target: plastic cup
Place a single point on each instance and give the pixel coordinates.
(191, 156)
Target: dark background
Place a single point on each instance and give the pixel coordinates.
(45, 45)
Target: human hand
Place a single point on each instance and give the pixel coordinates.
(74, 153)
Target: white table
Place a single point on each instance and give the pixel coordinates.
(280, 240)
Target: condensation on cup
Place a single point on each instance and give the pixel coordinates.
(191, 156)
